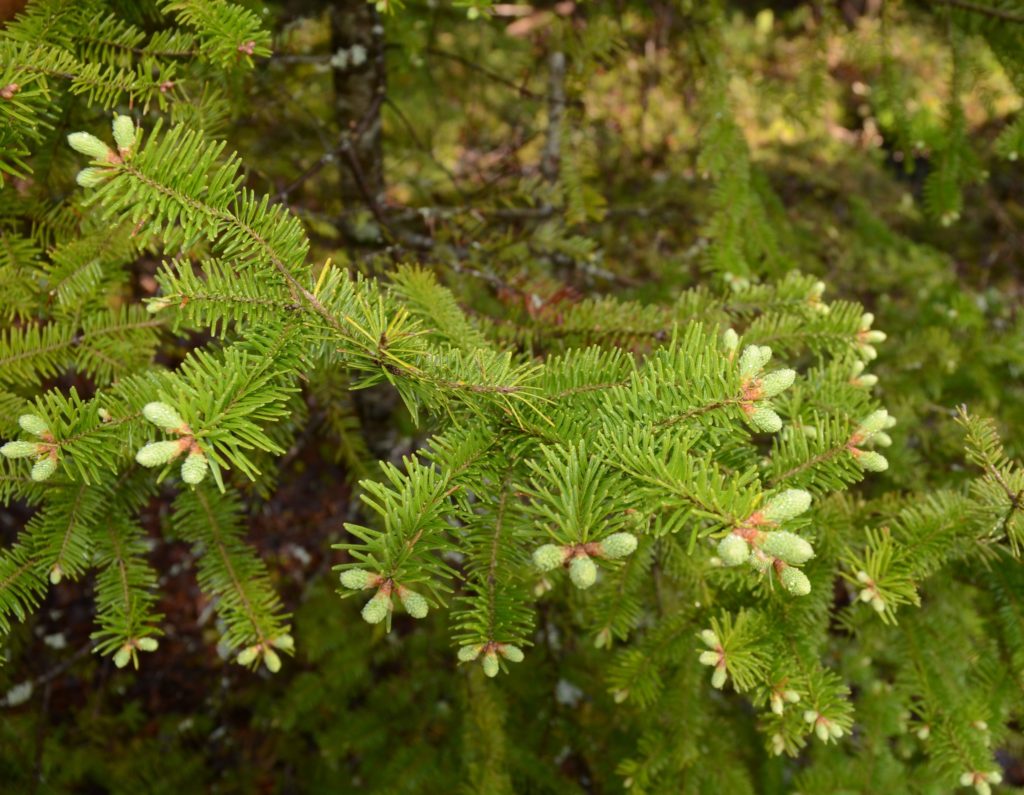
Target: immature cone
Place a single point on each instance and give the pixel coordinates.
(787, 547)
(582, 572)
(619, 545)
(356, 579)
(730, 340)
(33, 424)
(414, 604)
(787, 505)
(469, 653)
(248, 656)
(284, 642)
(124, 133)
(148, 644)
(43, 468)
(89, 145)
(777, 381)
(795, 581)
(193, 470)
(753, 359)
(766, 420)
(155, 454)
(733, 550)
(511, 653)
(549, 557)
(376, 610)
(19, 450)
(162, 415)
(718, 677)
(710, 638)
(490, 664)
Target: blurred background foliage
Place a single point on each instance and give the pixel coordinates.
(874, 144)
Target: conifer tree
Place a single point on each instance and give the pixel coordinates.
(713, 490)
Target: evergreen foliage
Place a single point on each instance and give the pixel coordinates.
(694, 498)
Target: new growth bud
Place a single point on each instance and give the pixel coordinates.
(90, 145)
(490, 664)
(19, 449)
(357, 579)
(31, 423)
(787, 505)
(193, 470)
(43, 468)
(92, 177)
(795, 581)
(415, 605)
(124, 133)
(787, 547)
(582, 571)
(618, 545)
(163, 416)
(871, 461)
(733, 550)
(549, 557)
(777, 381)
(765, 419)
(753, 359)
(377, 609)
(469, 653)
(155, 454)
(511, 653)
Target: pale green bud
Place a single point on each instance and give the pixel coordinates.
(882, 439)
(874, 422)
(162, 415)
(193, 470)
(730, 339)
(924, 733)
(878, 604)
(795, 581)
(90, 145)
(56, 574)
(582, 572)
(43, 468)
(868, 380)
(34, 424)
(778, 744)
(766, 420)
(414, 604)
(760, 561)
(123, 656)
(866, 321)
(490, 664)
(19, 449)
(981, 786)
(810, 715)
(733, 550)
(872, 461)
(966, 779)
(787, 547)
(511, 653)
(777, 704)
(994, 777)
(549, 557)
(777, 381)
(469, 653)
(248, 656)
(709, 658)
(148, 644)
(357, 579)
(284, 642)
(787, 505)
(155, 454)
(619, 545)
(124, 132)
(868, 352)
(376, 610)
(92, 177)
(875, 336)
(821, 730)
(835, 730)
(890, 421)
(791, 696)
(718, 678)
(271, 660)
(750, 361)
(710, 638)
